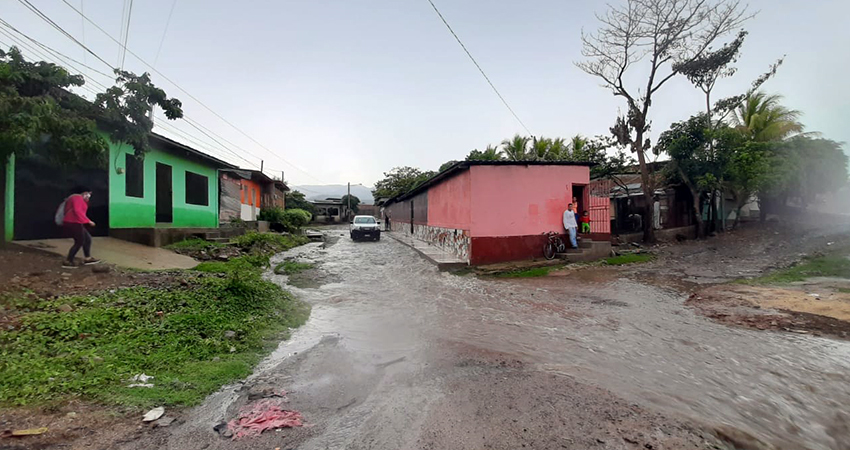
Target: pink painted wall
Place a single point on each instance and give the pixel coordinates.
(449, 203)
(521, 200)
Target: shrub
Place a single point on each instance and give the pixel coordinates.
(267, 243)
(296, 218)
(273, 215)
(285, 220)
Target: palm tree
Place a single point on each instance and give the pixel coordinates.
(490, 153)
(540, 148)
(559, 150)
(764, 119)
(516, 149)
(577, 145)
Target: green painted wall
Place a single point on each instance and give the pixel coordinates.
(9, 210)
(133, 212)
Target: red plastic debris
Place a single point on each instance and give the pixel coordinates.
(262, 415)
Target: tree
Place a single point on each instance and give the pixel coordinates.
(817, 166)
(355, 202)
(447, 164)
(297, 200)
(400, 180)
(37, 111)
(765, 119)
(125, 107)
(516, 148)
(489, 154)
(692, 163)
(748, 172)
(662, 33)
(703, 71)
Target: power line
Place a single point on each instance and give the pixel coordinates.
(479, 67)
(164, 32)
(190, 95)
(60, 56)
(121, 28)
(83, 28)
(126, 34)
(44, 17)
(52, 51)
(57, 55)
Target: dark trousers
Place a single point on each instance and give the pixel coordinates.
(82, 238)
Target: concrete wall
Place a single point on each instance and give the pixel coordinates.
(521, 200)
(450, 203)
(133, 212)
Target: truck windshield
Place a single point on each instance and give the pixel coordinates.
(364, 220)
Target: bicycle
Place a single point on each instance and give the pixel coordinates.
(553, 246)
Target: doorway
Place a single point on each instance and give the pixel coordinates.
(164, 194)
(411, 217)
(578, 194)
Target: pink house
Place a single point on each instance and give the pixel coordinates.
(493, 211)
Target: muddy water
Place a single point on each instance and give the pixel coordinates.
(387, 330)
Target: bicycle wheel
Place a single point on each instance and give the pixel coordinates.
(549, 250)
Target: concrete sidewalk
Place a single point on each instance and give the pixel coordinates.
(442, 259)
(120, 253)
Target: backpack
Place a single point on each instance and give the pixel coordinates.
(59, 217)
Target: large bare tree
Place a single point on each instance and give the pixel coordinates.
(651, 36)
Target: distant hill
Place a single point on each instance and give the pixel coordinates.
(321, 192)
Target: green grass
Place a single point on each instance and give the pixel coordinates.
(291, 267)
(527, 273)
(844, 290)
(268, 242)
(837, 266)
(630, 258)
(194, 244)
(177, 335)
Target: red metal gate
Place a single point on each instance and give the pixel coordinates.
(600, 214)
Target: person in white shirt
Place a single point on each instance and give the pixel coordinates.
(570, 224)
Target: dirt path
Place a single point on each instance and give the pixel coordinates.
(398, 355)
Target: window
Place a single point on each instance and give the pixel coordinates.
(197, 189)
(134, 176)
(364, 220)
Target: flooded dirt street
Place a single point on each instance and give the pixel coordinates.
(397, 355)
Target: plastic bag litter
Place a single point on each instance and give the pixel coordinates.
(262, 415)
(153, 414)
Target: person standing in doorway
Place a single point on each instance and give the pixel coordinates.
(571, 225)
(585, 223)
(75, 222)
(656, 213)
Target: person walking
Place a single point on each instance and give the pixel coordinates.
(75, 222)
(571, 225)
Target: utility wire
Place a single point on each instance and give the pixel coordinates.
(44, 17)
(126, 35)
(59, 56)
(192, 96)
(52, 51)
(83, 29)
(121, 28)
(479, 67)
(164, 32)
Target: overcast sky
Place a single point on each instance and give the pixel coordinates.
(344, 90)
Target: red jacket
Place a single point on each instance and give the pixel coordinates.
(75, 210)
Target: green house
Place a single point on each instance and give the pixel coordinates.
(170, 193)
